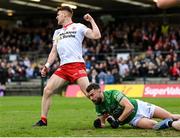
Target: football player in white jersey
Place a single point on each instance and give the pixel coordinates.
(67, 44)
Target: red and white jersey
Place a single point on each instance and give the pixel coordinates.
(68, 41)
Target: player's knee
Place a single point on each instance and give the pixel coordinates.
(47, 91)
(97, 123)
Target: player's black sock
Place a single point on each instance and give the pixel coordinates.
(170, 123)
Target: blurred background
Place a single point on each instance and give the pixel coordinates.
(140, 43)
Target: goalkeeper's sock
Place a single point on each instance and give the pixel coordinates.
(44, 119)
(170, 123)
(164, 124)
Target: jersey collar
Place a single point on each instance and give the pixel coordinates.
(65, 26)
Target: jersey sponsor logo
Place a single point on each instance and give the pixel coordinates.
(67, 34)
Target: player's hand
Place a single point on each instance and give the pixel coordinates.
(44, 71)
(88, 17)
(114, 123)
(97, 123)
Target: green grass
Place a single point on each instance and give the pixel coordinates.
(68, 117)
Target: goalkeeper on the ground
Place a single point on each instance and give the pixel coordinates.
(116, 108)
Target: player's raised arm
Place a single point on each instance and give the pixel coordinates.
(93, 33)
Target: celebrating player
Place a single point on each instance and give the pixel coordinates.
(118, 109)
(67, 44)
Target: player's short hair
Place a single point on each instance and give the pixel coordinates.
(65, 8)
(92, 86)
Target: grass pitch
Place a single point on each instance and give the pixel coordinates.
(68, 117)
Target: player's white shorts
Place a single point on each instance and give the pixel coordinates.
(145, 110)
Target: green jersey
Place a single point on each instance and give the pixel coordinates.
(111, 105)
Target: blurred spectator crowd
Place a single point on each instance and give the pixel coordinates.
(153, 50)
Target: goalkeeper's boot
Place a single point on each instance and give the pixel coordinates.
(40, 123)
(163, 124)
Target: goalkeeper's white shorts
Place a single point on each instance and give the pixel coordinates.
(145, 110)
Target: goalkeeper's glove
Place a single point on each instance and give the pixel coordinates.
(97, 123)
(114, 123)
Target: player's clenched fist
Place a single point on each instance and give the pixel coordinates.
(44, 71)
(114, 123)
(88, 17)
